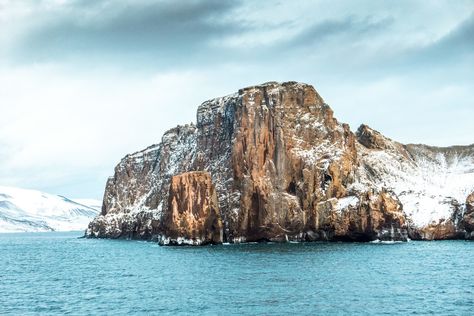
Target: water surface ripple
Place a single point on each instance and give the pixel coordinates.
(57, 273)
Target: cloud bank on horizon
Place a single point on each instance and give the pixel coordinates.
(82, 83)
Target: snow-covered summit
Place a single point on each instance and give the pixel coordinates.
(23, 210)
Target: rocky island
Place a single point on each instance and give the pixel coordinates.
(271, 163)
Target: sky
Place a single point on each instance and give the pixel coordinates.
(83, 83)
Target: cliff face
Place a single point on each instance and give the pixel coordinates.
(432, 183)
(193, 212)
(283, 168)
(468, 219)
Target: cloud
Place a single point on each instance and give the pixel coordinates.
(447, 55)
(163, 35)
(151, 31)
(341, 30)
(82, 83)
(459, 42)
(62, 127)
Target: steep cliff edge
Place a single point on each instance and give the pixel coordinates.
(284, 169)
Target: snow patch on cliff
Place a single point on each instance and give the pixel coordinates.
(428, 184)
(208, 110)
(348, 201)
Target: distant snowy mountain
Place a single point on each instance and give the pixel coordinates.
(24, 210)
(95, 204)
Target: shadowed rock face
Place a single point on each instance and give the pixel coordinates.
(283, 168)
(193, 212)
(468, 219)
(372, 216)
(371, 138)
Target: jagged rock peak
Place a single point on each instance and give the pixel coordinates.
(372, 139)
(271, 93)
(273, 85)
(169, 135)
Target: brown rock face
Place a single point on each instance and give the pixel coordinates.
(372, 216)
(440, 231)
(137, 194)
(375, 141)
(283, 168)
(468, 219)
(281, 161)
(386, 217)
(371, 138)
(193, 212)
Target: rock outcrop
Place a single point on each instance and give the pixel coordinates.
(193, 216)
(430, 182)
(284, 169)
(371, 216)
(468, 219)
(372, 139)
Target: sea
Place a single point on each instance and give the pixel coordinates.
(62, 274)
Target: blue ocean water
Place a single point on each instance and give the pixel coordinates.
(57, 273)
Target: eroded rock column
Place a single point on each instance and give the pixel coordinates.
(192, 217)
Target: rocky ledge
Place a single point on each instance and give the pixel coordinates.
(271, 163)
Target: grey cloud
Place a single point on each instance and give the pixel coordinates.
(454, 49)
(456, 43)
(350, 26)
(450, 55)
(160, 31)
(345, 54)
(173, 35)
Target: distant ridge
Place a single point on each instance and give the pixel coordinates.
(23, 210)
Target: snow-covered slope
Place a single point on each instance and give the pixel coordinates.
(92, 203)
(33, 211)
(431, 182)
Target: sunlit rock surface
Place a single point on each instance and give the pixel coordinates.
(283, 169)
(193, 212)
